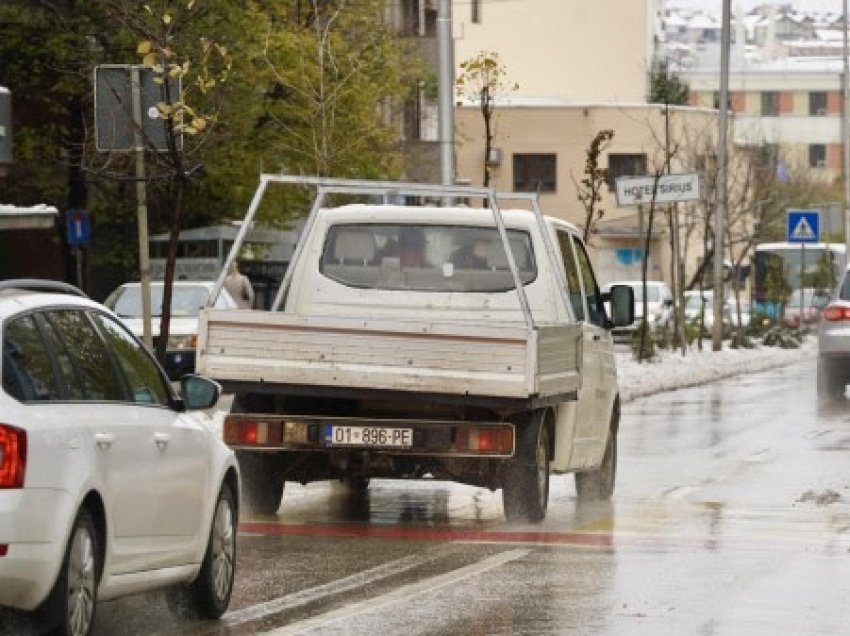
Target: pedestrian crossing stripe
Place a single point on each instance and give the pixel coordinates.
(803, 231)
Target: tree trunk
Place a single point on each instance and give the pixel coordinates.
(487, 113)
(178, 200)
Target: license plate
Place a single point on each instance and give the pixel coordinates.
(371, 436)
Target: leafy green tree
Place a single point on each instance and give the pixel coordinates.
(308, 91)
(666, 87)
(330, 72)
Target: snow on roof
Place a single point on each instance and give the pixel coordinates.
(675, 20)
(829, 35)
(41, 208)
(701, 21)
(13, 217)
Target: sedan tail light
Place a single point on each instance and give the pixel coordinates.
(835, 313)
(13, 456)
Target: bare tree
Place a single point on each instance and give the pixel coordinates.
(483, 78)
(595, 178)
(188, 115)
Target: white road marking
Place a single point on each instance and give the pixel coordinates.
(405, 592)
(679, 492)
(303, 597)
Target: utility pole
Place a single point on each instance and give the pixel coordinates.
(446, 76)
(845, 132)
(720, 210)
(141, 207)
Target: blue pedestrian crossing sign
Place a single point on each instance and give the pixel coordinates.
(803, 226)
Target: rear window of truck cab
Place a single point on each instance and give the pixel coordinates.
(431, 258)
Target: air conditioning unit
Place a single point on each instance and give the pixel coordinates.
(820, 163)
(820, 112)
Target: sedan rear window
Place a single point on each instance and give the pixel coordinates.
(433, 258)
(88, 370)
(28, 374)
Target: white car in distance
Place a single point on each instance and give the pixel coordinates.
(659, 305)
(90, 429)
(187, 299)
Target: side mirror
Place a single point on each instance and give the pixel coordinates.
(198, 392)
(622, 299)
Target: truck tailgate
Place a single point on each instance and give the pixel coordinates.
(459, 358)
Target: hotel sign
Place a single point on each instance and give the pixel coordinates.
(671, 188)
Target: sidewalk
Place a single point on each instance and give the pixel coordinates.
(674, 371)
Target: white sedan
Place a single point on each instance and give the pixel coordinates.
(107, 485)
(187, 299)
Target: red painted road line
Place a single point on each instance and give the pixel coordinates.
(828, 547)
(425, 534)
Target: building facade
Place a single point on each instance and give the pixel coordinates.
(544, 143)
(792, 108)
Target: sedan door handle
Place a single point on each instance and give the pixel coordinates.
(161, 440)
(104, 440)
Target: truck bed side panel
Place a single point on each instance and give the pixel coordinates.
(453, 358)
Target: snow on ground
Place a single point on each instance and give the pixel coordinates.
(674, 371)
(669, 371)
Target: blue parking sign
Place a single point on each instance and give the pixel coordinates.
(803, 226)
(78, 227)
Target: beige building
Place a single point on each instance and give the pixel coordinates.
(580, 50)
(580, 66)
(546, 141)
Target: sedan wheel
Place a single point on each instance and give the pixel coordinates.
(209, 595)
(222, 549)
(69, 609)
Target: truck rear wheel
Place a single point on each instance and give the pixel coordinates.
(599, 484)
(262, 482)
(525, 484)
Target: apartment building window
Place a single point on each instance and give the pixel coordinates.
(531, 170)
(767, 156)
(817, 155)
(625, 166)
(817, 104)
(417, 18)
(770, 104)
(476, 11)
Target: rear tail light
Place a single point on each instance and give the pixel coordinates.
(485, 439)
(3, 549)
(241, 430)
(13, 456)
(835, 313)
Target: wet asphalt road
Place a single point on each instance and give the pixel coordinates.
(731, 516)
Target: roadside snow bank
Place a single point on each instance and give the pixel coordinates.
(674, 371)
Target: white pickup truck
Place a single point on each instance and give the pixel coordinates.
(410, 343)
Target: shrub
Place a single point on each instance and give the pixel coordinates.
(648, 346)
(783, 337)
